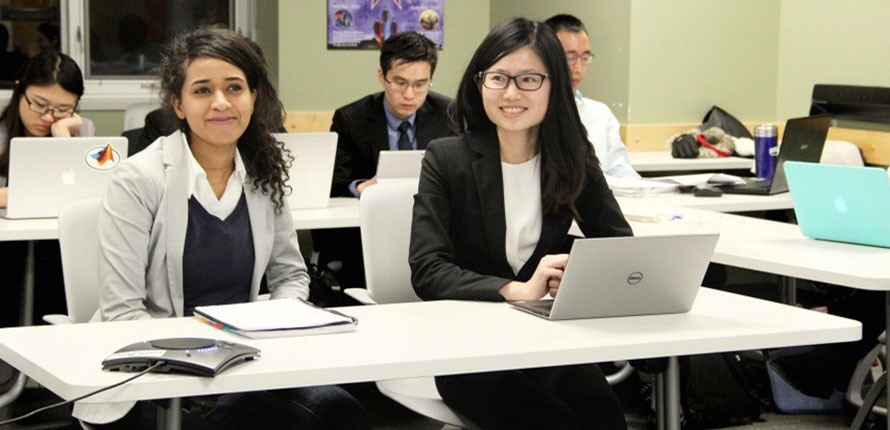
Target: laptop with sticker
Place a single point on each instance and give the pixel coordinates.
(47, 172)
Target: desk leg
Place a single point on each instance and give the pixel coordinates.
(789, 289)
(667, 396)
(170, 415)
(672, 394)
(26, 319)
(659, 401)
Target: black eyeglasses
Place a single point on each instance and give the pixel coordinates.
(523, 81)
(43, 109)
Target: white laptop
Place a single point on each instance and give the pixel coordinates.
(402, 164)
(624, 276)
(312, 170)
(47, 172)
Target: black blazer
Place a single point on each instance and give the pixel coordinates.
(458, 230)
(361, 131)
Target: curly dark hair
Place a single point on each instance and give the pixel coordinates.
(265, 159)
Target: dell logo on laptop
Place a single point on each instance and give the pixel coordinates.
(634, 278)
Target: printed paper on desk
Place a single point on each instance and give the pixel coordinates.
(627, 187)
(273, 318)
(700, 179)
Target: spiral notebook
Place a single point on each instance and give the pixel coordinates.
(275, 318)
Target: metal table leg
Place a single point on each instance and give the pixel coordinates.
(170, 415)
(667, 396)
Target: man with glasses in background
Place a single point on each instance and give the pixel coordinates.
(405, 115)
(602, 126)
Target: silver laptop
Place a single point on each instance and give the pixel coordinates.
(624, 276)
(399, 165)
(312, 169)
(47, 172)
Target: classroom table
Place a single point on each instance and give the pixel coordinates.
(780, 248)
(341, 212)
(421, 339)
(662, 161)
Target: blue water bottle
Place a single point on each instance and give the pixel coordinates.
(766, 151)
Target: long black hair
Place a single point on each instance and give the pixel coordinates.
(46, 68)
(263, 156)
(566, 154)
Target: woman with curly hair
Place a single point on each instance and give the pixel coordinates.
(199, 218)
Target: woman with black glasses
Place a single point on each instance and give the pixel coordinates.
(492, 214)
(44, 102)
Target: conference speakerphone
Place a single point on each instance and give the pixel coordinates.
(196, 356)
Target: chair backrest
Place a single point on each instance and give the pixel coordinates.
(79, 243)
(134, 114)
(385, 211)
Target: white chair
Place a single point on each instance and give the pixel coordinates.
(385, 210)
(134, 114)
(79, 244)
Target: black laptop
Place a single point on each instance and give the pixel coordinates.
(803, 140)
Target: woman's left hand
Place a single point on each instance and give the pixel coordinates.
(67, 127)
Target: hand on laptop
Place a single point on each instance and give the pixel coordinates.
(361, 187)
(67, 127)
(545, 280)
(4, 194)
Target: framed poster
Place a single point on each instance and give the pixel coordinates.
(365, 24)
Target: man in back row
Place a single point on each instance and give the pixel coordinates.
(602, 126)
(405, 115)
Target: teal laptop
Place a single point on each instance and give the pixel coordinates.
(841, 203)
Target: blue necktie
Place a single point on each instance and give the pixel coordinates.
(404, 140)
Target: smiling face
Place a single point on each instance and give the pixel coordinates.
(511, 109)
(405, 86)
(50, 96)
(216, 102)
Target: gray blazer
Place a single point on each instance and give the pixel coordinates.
(144, 217)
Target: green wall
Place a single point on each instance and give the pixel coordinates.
(313, 78)
(608, 24)
(686, 56)
(759, 60)
(830, 42)
(108, 122)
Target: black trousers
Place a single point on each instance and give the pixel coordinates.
(326, 407)
(567, 397)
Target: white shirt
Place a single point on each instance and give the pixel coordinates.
(199, 186)
(603, 130)
(522, 210)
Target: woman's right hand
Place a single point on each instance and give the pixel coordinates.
(67, 127)
(545, 280)
(4, 196)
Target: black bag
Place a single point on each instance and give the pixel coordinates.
(720, 390)
(719, 118)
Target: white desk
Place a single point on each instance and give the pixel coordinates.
(661, 161)
(780, 248)
(724, 203)
(420, 339)
(342, 212)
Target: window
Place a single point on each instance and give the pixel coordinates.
(26, 28)
(116, 42)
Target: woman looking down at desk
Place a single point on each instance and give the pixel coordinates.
(492, 214)
(200, 217)
(43, 103)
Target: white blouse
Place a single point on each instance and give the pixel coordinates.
(522, 210)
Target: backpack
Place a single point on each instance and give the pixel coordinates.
(725, 389)
(720, 390)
